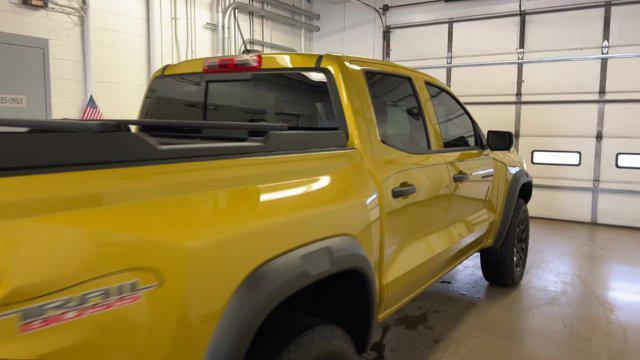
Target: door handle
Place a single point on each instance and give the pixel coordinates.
(460, 177)
(405, 189)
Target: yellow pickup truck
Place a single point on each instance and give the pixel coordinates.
(271, 206)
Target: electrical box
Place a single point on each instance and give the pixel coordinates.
(24, 77)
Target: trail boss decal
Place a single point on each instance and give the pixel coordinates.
(61, 310)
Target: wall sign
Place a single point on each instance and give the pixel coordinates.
(13, 101)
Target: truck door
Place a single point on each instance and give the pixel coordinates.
(470, 166)
(415, 188)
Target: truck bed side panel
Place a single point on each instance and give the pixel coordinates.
(189, 232)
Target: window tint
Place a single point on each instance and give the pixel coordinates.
(398, 113)
(178, 97)
(298, 99)
(456, 126)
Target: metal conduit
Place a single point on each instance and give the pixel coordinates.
(531, 61)
(416, 3)
(155, 31)
(276, 4)
(270, 45)
(86, 51)
(260, 12)
(220, 35)
(220, 6)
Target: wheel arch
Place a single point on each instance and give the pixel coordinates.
(520, 187)
(275, 281)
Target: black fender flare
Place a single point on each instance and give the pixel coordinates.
(519, 179)
(274, 281)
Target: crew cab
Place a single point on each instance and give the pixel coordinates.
(264, 206)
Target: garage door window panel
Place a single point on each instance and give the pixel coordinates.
(628, 160)
(398, 114)
(556, 157)
(456, 126)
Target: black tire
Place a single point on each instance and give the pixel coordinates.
(505, 266)
(294, 336)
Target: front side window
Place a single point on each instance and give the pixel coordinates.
(398, 114)
(456, 126)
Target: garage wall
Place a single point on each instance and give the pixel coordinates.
(119, 55)
(348, 28)
(118, 38)
(119, 42)
(591, 107)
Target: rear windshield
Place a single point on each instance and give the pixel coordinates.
(301, 99)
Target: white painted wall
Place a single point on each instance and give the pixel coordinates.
(348, 28)
(119, 44)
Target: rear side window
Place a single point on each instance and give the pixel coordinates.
(398, 114)
(456, 126)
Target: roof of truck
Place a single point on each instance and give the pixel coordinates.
(287, 60)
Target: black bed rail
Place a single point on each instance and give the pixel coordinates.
(70, 145)
(112, 125)
(92, 126)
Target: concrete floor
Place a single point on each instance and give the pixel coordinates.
(579, 299)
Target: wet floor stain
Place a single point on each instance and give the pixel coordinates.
(378, 347)
(411, 322)
(406, 321)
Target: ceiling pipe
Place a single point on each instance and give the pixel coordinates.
(260, 12)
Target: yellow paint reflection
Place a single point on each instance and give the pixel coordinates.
(315, 184)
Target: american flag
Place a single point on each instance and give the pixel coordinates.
(92, 111)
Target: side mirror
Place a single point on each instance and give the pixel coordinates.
(499, 140)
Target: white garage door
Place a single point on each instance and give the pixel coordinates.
(566, 80)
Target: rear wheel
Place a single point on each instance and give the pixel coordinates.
(294, 336)
(505, 266)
